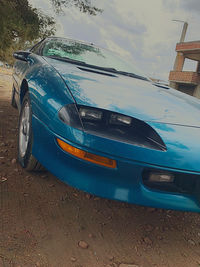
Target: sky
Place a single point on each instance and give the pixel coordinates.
(141, 31)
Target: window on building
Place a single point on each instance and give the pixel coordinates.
(190, 65)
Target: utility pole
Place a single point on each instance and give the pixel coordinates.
(179, 55)
(184, 30)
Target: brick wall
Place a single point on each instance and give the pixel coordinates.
(188, 46)
(179, 62)
(184, 77)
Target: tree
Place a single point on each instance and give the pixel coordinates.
(21, 24)
(84, 6)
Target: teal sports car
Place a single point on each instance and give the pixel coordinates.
(100, 125)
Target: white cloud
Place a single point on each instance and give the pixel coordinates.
(140, 30)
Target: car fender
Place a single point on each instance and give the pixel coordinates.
(48, 91)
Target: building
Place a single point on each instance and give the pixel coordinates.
(186, 81)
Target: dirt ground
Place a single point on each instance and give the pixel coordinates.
(42, 220)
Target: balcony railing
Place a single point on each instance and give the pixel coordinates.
(188, 46)
(189, 77)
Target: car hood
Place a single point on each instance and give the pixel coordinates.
(129, 96)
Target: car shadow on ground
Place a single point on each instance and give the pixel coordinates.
(43, 221)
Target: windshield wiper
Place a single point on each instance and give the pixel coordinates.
(133, 75)
(82, 63)
(112, 70)
(67, 59)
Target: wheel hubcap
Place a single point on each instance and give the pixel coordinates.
(24, 130)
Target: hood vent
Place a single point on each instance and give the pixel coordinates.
(98, 72)
(161, 85)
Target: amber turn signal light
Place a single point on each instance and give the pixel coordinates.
(81, 154)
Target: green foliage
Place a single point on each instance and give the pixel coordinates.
(84, 6)
(21, 25)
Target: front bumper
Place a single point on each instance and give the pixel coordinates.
(123, 183)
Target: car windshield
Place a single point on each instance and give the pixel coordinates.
(89, 54)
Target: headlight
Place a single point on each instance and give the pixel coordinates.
(120, 119)
(111, 125)
(90, 114)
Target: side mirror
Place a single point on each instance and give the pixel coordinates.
(21, 55)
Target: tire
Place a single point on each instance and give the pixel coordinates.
(13, 102)
(25, 138)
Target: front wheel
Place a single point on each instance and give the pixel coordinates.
(25, 138)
